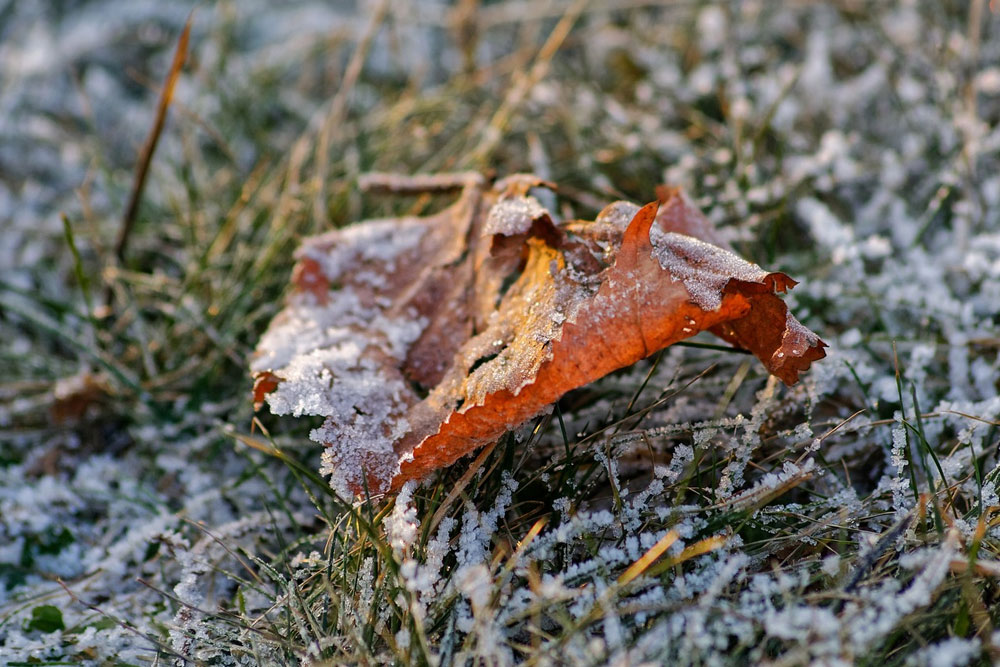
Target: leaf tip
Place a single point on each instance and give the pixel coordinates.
(637, 232)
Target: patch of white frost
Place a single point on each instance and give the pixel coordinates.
(381, 241)
(402, 525)
(796, 339)
(702, 267)
(618, 214)
(307, 325)
(364, 405)
(513, 215)
(331, 355)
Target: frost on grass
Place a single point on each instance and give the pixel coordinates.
(421, 339)
(402, 525)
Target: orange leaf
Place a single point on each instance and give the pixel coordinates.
(421, 339)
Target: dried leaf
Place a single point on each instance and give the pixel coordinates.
(421, 339)
(73, 396)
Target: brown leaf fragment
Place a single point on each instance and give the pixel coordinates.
(264, 383)
(421, 339)
(73, 396)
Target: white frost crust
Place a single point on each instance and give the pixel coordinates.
(364, 410)
(346, 462)
(513, 215)
(796, 339)
(381, 241)
(402, 526)
(334, 382)
(327, 356)
(702, 267)
(618, 214)
(308, 325)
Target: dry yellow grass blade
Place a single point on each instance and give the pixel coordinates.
(462, 483)
(648, 558)
(697, 549)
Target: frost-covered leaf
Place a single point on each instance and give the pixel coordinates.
(420, 339)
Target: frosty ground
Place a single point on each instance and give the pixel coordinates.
(849, 519)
